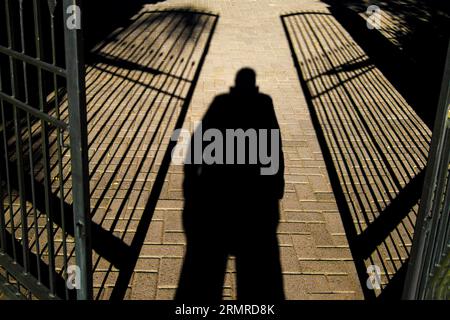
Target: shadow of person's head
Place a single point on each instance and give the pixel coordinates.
(245, 81)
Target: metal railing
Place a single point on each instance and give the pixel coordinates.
(429, 269)
(44, 191)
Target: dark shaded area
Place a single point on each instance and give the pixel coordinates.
(232, 209)
(102, 17)
(120, 63)
(392, 216)
(188, 20)
(414, 59)
(60, 282)
(103, 242)
(352, 115)
(394, 290)
(99, 19)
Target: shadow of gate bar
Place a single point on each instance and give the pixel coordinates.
(373, 142)
(139, 85)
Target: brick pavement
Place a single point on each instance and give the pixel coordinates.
(133, 110)
(138, 85)
(377, 143)
(316, 261)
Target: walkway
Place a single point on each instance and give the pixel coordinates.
(148, 74)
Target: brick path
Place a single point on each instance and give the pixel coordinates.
(132, 112)
(143, 78)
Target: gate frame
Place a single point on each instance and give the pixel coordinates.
(74, 73)
(78, 148)
(419, 269)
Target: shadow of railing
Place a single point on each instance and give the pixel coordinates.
(139, 84)
(115, 15)
(374, 144)
(409, 47)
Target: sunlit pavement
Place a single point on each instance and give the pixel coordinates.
(132, 112)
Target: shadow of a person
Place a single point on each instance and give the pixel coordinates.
(231, 207)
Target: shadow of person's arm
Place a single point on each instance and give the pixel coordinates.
(192, 170)
(279, 176)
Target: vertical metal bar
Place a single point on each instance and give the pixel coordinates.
(430, 251)
(33, 199)
(78, 147)
(45, 156)
(3, 246)
(59, 144)
(446, 214)
(19, 159)
(8, 180)
(13, 89)
(2, 221)
(421, 236)
(3, 210)
(30, 146)
(438, 209)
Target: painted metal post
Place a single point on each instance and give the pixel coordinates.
(414, 286)
(78, 143)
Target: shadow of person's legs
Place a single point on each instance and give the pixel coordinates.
(258, 267)
(203, 272)
(258, 270)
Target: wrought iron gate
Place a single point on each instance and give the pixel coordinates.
(44, 218)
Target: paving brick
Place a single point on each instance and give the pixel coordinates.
(148, 265)
(165, 293)
(140, 292)
(289, 259)
(169, 271)
(163, 250)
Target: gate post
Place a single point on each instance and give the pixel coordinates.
(420, 265)
(78, 144)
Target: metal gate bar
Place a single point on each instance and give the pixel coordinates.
(431, 240)
(79, 153)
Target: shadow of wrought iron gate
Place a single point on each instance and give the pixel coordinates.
(44, 222)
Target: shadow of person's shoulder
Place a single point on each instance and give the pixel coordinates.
(220, 99)
(265, 104)
(265, 98)
(222, 96)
